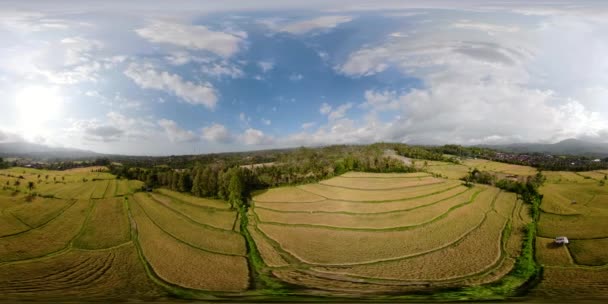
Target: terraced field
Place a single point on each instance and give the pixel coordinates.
(575, 205)
(376, 233)
(91, 238)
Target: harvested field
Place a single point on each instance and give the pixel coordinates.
(390, 220)
(221, 219)
(363, 207)
(52, 237)
(269, 254)
(573, 226)
(183, 265)
(38, 211)
(325, 246)
(550, 254)
(100, 188)
(384, 175)
(196, 201)
(590, 252)
(107, 226)
(287, 194)
(193, 233)
(111, 275)
(582, 284)
(336, 193)
(378, 183)
(448, 263)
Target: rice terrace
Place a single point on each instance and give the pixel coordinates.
(430, 234)
(319, 151)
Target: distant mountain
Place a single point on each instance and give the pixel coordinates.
(569, 146)
(43, 152)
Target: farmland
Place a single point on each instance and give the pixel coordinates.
(402, 223)
(575, 205)
(87, 235)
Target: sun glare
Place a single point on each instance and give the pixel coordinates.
(37, 105)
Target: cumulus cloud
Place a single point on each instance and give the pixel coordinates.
(175, 133)
(217, 133)
(255, 137)
(148, 78)
(266, 66)
(319, 23)
(196, 37)
(339, 111)
(325, 108)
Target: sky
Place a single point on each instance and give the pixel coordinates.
(188, 77)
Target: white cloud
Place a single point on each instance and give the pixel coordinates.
(196, 37)
(340, 111)
(295, 77)
(308, 125)
(266, 121)
(255, 137)
(266, 66)
(319, 23)
(148, 78)
(325, 108)
(175, 133)
(217, 133)
(222, 69)
(489, 28)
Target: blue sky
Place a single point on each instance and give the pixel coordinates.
(157, 78)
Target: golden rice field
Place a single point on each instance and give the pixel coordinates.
(86, 235)
(575, 205)
(376, 233)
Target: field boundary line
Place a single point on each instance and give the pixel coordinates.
(186, 217)
(5, 213)
(85, 223)
(182, 241)
(105, 191)
(398, 228)
(171, 288)
(383, 189)
(45, 223)
(177, 200)
(372, 202)
(360, 213)
(380, 261)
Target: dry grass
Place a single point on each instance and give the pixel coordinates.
(384, 175)
(334, 246)
(477, 252)
(378, 183)
(222, 219)
(550, 254)
(197, 201)
(183, 265)
(46, 239)
(335, 193)
(107, 226)
(368, 221)
(38, 211)
(563, 177)
(505, 202)
(362, 207)
(213, 240)
(287, 194)
(590, 252)
(78, 275)
(486, 165)
(573, 284)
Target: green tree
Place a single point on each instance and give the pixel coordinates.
(196, 183)
(17, 183)
(235, 188)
